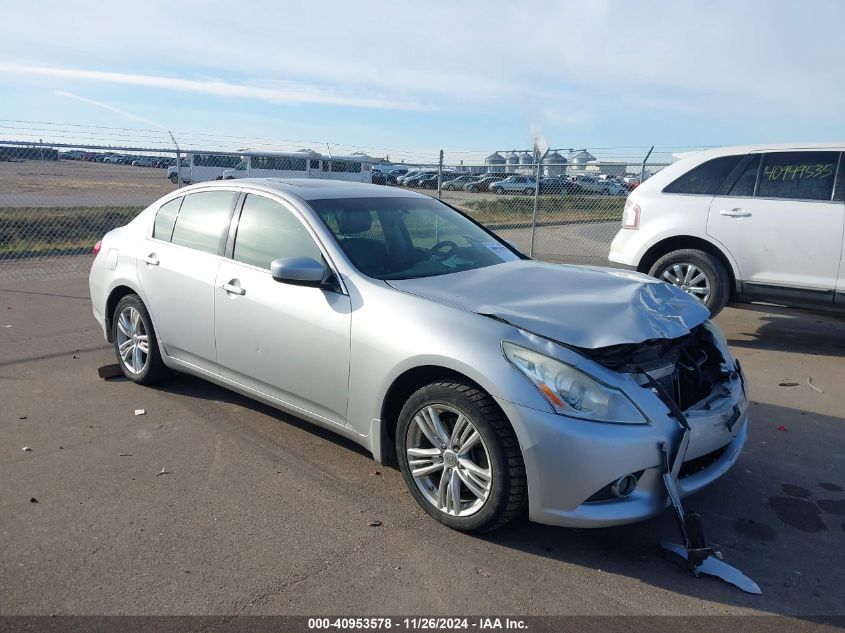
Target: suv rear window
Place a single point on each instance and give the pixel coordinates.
(798, 175)
(706, 178)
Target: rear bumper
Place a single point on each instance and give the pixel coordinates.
(624, 249)
(570, 462)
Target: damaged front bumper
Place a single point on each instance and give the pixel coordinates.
(572, 464)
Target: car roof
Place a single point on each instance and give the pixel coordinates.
(310, 188)
(763, 147)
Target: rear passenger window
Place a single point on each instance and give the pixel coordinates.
(202, 219)
(706, 178)
(268, 231)
(798, 175)
(744, 184)
(165, 218)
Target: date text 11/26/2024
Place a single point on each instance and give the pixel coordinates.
(418, 623)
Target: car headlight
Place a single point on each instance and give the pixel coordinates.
(572, 392)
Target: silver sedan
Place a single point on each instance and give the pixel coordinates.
(497, 384)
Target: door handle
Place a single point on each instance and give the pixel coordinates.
(233, 289)
(151, 260)
(734, 213)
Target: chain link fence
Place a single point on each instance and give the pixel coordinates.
(57, 200)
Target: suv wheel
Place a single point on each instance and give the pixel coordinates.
(697, 273)
(135, 342)
(460, 457)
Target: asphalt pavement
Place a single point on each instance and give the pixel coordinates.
(209, 503)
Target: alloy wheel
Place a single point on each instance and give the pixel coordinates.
(448, 460)
(689, 278)
(132, 340)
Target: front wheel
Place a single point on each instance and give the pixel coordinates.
(697, 273)
(460, 458)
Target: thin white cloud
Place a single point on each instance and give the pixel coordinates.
(278, 92)
(109, 107)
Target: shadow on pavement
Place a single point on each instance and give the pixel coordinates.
(789, 330)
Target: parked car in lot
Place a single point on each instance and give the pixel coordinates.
(601, 186)
(498, 384)
(515, 184)
(400, 180)
(417, 179)
(559, 185)
(483, 183)
(458, 182)
(143, 161)
(756, 222)
(395, 174)
(378, 178)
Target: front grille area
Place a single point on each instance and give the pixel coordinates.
(700, 463)
(698, 365)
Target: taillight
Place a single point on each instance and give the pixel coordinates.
(631, 215)
(97, 247)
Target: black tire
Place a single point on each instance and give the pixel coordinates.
(717, 275)
(154, 369)
(508, 495)
(174, 179)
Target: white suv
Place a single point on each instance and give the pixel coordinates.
(763, 223)
(515, 184)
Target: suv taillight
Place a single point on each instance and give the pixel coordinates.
(97, 247)
(631, 215)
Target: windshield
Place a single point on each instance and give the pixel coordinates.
(407, 238)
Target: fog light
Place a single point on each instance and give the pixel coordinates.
(623, 486)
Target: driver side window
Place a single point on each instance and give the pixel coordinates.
(268, 231)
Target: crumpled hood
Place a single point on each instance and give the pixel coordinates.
(581, 306)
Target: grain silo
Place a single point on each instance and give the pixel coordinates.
(554, 165)
(495, 162)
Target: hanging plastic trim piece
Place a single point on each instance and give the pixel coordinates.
(698, 557)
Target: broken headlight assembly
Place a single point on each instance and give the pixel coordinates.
(572, 392)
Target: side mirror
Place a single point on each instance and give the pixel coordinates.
(300, 271)
(513, 245)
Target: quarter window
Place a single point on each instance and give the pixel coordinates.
(165, 219)
(268, 231)
(706, 178)
(202, 219)
(798, 175)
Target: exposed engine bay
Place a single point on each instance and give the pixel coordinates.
(687, 368)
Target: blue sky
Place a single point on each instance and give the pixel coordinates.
(411, 78)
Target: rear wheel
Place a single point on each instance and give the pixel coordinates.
(135, 342)
(460, 457)
(697, 273)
